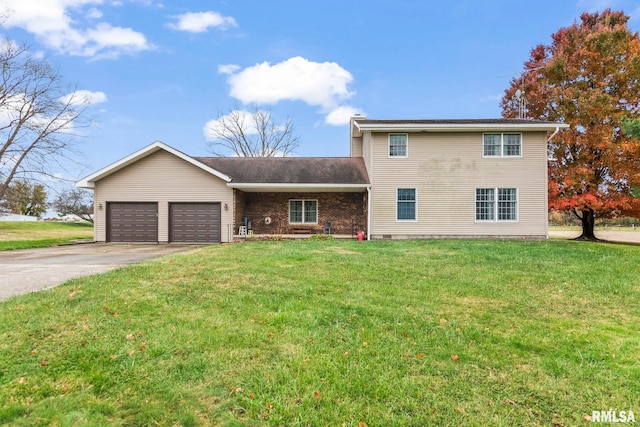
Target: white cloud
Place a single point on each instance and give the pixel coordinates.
(316, 83)
(319, 84)
(12, 109)
(228, 68)
(58, 24)
(214, 127)
(342, 115)
(84, 97)
(94, 13)
(199, 22)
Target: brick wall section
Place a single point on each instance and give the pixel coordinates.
(342, 209)
(239, 204)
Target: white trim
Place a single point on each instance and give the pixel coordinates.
(89, 181)
(369, 213)
(406, 147)
(279, 187)
(458, 127)
(415, 212)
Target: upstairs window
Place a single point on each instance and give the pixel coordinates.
(303, 211)
(502, 145)
(398, 144)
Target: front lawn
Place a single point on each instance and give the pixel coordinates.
(452, 333)
(22, 235)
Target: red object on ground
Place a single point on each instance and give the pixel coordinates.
(360, 236)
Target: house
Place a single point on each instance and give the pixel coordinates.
(402, 179)
(455, 178)
(10, 217)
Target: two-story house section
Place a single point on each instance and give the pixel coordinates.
(404, 179)
(455, 178)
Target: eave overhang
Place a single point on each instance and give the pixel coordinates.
(459, 127)
(298, 188)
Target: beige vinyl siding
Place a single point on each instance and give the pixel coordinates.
(162, 177)
(446, 168)
(355, 149)
(367, 153)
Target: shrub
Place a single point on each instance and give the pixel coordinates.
(321, 237)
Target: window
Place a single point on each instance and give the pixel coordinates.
(507, 204)
(485, 204)
(502, 144)
(406, 204)
(398, 145)
(303, 211)
(504, 208)
(492, 145)
(511, 144)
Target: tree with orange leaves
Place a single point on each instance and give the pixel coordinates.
(589, 78)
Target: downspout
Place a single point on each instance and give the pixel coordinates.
(368, 212)
(547, 174)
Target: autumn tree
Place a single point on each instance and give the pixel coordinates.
(75, 202)
(252, 133)
(25, 198)
(631, 127)
(588, 77)
(37, 116)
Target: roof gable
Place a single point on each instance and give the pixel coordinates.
(89, 181)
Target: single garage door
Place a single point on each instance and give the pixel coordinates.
(132, 222)
(194, 222)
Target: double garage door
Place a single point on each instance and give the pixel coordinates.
(188, 222)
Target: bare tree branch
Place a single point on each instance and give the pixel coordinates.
(35, 121)
(251, 134)
(75, 202)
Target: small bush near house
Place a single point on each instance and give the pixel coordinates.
(269, 238)
(321, 237)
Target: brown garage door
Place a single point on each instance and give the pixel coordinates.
(194, 222)
(132, 222)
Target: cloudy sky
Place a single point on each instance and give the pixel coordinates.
(163, 70)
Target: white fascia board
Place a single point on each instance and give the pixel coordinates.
(89, 181)
(461, 127)
(279, 187)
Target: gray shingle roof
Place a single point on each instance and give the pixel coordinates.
(290, 170)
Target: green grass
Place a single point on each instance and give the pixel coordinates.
(22, 235)
(451, 333)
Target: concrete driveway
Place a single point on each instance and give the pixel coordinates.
(30, 270)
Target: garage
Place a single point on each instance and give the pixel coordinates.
(132, 222)
(194, 222)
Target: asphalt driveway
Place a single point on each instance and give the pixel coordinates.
(30, 270)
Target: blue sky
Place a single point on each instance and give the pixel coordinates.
(161, 70)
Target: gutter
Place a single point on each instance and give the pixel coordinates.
(457, 127)
(554, 133)
(297, 186)
(368, 213)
